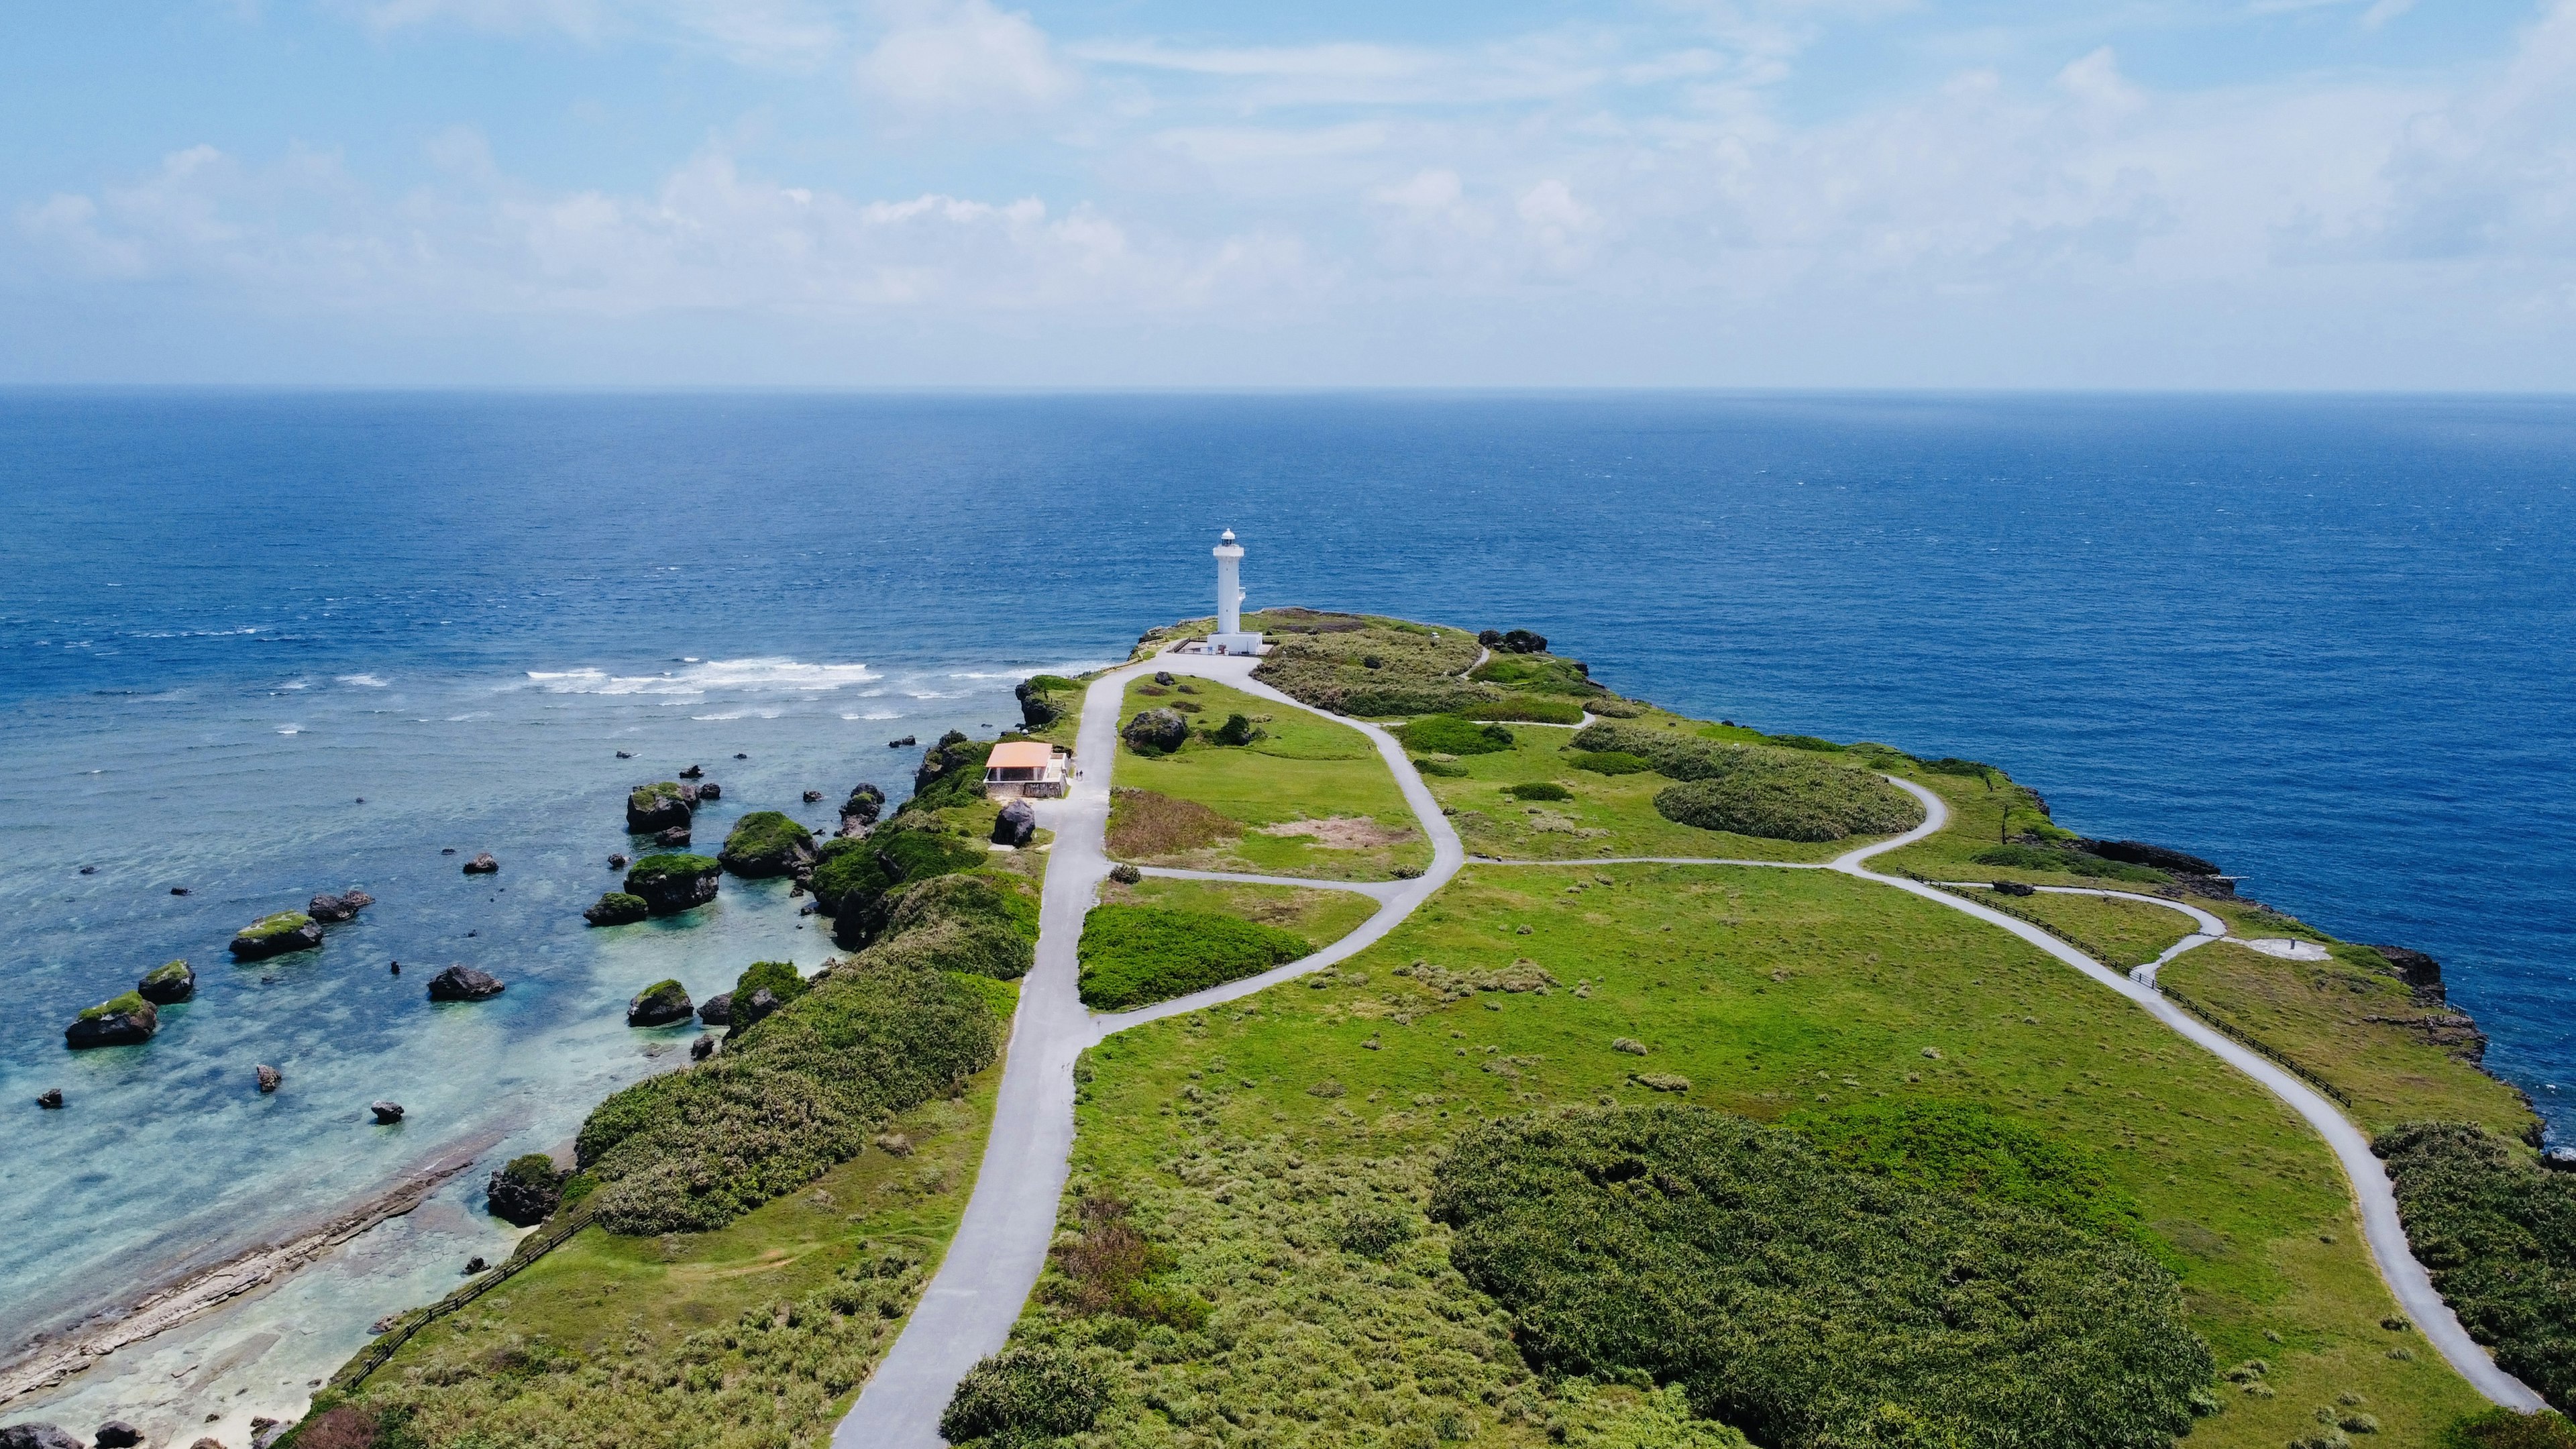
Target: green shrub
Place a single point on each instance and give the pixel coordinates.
(1371, 1229)
(1538, 674)
(1607, 762)
(779, 976)
(1024, 1397)
(845, 867)
(534, 1169)
(2075, 862)
(2498, 1233)
(1953, 765)
(1786, 798)
(1133, 955)
(1807, 1304)
(1544, 711)
(797, 1093)
(920, 848)
(1538, 790)
(2502, 1428)
(1447, 734)
(1322, 661)
(1445, 769)
(1803, 742)
(969, 923)
(951, 773)
(1237, 730)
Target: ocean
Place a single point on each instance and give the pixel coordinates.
(262, 645)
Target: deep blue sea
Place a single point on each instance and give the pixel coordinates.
(2324, 641)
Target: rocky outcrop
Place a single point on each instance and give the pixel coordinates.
(766, 843)
(526, 1192)
(2013, 888)
(387, 1113)
(2559, 1159)
(51, 1099)
(2159, 857)
(748, 1013)
(670, 884)
(861, 810)
(464, 983)
(269, 1078)
(701, 1049)
(717, 1010)
(1017, 825)
(1518, 641)
(2421, 973)
(118, 1434)
(617, 908)
(482, 864)
(331, 910)
(1156, 731)
(656, 807)
(813, 797)
(710, 791)
(167, 984)
(128, 1020)
(660, 1004)
(276, 936)
(1036, 710)
(673, 838)
(36, 1436)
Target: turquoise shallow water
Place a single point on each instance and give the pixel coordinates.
(2322, 640)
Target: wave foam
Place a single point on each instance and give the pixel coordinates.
(770, 675)
(362, 681)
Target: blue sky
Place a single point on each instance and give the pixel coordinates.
(1862, 193)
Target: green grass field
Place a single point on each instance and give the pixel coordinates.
(2121, 934)
(1609, 815)
(1312, 796)
(1769, 993)
(1322, 917)
(757, 1334)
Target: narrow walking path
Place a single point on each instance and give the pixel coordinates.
(2211, 928)
(1001, 1243)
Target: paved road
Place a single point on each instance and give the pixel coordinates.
(2211, 928)
(1001, 1244)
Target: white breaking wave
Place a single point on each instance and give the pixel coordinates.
(743, 676)
(362, 681)
(874, 714)
(290, 729)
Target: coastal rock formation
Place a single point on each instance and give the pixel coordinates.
(694, 772)
(813, 797)
(1156, 731)
(2421, 973)
(656, 807)
(1037, 711)
(701, 1049)
(749, 1013)
(331, 909)
(861, 810)
(464, 983)
(36, 1436)
(167, 984)
(1017, 825)
(482, 864)
(617, 860)
(766, 843)
(659, 1004)
(2559, 1159)
(269, 1078)
(2139, 852)
(276, 936)
(1518, 641)
(617, 908)
(128, 1020)
(670, 884)
(717, 1010)
(527, 1191)
(51, 1099)
(118, 1434)
(710, 791)
(387, 1113)
(676, 836)
(950, 771)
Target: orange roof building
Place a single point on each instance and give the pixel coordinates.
(1026, 770)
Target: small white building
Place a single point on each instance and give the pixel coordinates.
(1026, 770)
(1229, 637)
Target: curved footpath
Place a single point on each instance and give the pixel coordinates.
(1001, 1245)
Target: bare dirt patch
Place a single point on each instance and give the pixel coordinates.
(1342, 832)
(1144, 823)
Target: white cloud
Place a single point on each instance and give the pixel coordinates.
(792, 33)
(951, 57)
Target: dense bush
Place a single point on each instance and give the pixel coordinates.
(1671, 752)
(781, 977)
(1780, 798)
(1134, 955)
(1804, 742)
(2498, 1233)
(1449, 734)
(1538, 790)
(2501, 1428)
(1445, 769)
(1953, 765)
(979, 925)
(1418, 670)
(2076, 862)
(795, 1094)
(1024, 1396)
(1808, 1304)
(1237, 730)
(846, 865)
(951, 773)
(1607, 762)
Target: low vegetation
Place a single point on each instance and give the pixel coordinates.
(1788, 799)
(1144, 824)
(1808, 1304)
(1449, 734)
(981, 925)
(803, 1089)
(1137, 955)
(2068, 861)
(2498, 1234)
(951, 773)
(1325, 660)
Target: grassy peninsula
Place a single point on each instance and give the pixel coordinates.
(1581, 1152)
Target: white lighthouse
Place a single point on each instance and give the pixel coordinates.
(1229, 637)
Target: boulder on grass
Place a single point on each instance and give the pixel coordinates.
(670, 884)
(617, 908)
(1017, 825)
(128, 1020)
(276, 936)
(660, 1004)
(656, 807)
(167, 984)
(464, 983)
(526, 1191)
(1156, 731)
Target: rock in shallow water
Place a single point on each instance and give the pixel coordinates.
(129, 1020)
(269, 1077)
(50, 1099)
(387, 1113)
(36, 1436)
(717, 1010)
(464, 983)
(617, 908)
(276, 936)
(167, 984)
(482, 864)
(526, 1191)
(331, 909)
(659, 1004)
(118, 1434)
